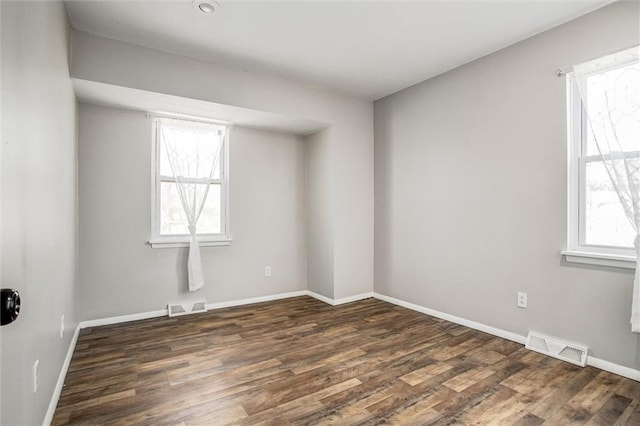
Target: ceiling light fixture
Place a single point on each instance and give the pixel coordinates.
(206, 6)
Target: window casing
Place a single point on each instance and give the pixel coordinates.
(598, 229)
(169, 226)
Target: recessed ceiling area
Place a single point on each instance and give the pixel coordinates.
(366, 49)
(158, 103)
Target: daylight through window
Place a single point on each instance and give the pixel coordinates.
(598, 222)
(191, 169)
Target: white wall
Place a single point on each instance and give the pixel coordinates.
(470, 178)
(348, 177)
(38, 201)
(120, 274)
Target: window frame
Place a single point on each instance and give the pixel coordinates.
(159, 240)
(577, 250)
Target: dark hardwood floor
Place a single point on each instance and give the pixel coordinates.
(300, 361)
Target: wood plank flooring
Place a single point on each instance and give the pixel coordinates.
(300, 361)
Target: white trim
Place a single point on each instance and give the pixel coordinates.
(342, 300)
(181, 241)
(124, 318)
(225, 217)
(612, 260)
(61, 377)
(218, 305)
(573, 152)
(155, 191)
(620, 370)
(577, 158)
(353, 298)
(321, 298)
(611, 367)
(452, 318)
(186, 117)
(171, 179)
(158, 240)
(211, 306)
(259, 299)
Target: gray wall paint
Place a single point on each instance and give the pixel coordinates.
(120, 274)
(39, 203)
(352, 203)
(319, 214)
(348, 180)
(470, 178)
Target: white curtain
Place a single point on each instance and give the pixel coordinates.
(612, 111)
(193, 150)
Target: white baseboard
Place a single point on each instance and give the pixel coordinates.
(595, 362)
(210, 306)
(124, 318)
(341, 301)
(354, 298)
(228, 304)
(260, 299)
(620, 370)
(452, 318)
(61, 377)
(611, 367)
(321, 298)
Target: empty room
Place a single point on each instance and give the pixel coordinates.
(320, 212)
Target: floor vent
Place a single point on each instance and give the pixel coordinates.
(186, 308)
(570, 352)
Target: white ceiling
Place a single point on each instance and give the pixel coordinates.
(368, 49)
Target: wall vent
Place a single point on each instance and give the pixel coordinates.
(570, 352)
(186, 308)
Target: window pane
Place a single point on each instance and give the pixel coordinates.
(613, 95)
(165, 167)
(173, 220)
(605, 220)
(196, 146)
(209, 222)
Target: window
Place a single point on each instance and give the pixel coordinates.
(196, 146)
(599, 231)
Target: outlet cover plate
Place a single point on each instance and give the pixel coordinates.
(522, 300)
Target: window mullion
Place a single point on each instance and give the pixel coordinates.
(598, 157)
(172, 179)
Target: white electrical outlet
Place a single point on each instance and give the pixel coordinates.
(267, 271)
(36, 376)
(62, 326)
(522, 300)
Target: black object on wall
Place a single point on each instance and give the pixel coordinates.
(9, 305)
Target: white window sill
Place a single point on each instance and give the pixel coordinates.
(184, 242)
(612, 260)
